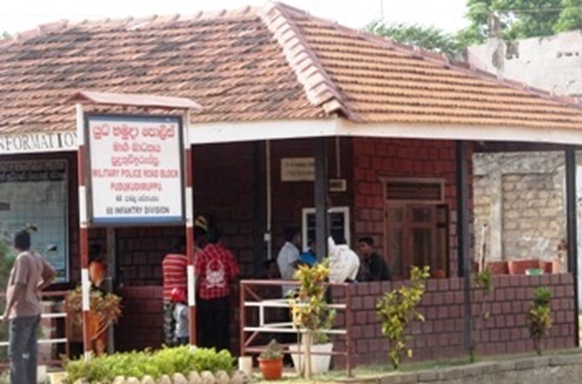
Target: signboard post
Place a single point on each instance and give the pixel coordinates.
(133, 170)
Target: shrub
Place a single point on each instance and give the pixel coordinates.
(397, 309)
(166, 361)
(7, 258)
(539, 317)
(310, 311)
(273, 351)
(483, 282)
(107, 305)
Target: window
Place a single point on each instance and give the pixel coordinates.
(339, 222)
(35, 192)
(416, 226)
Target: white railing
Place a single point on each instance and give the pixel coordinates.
(250, 298)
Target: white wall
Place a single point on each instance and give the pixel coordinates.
(552, 63)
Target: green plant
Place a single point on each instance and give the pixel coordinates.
(166, 361)
(483, 282)
(273, 351)
(309, 310)
(539, 317)
(107, 305)
(397, 309)
(6, 261)
(320, 336)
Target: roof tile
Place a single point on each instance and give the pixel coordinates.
(274, 62)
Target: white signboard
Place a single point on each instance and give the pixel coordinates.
(135, 169)
(38, 142)
(298, 169)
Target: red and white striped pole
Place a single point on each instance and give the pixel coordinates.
(189, 206)
(83, 230)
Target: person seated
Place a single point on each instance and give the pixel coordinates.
(271, 269)
(343, 262)
(308, 257)
(373, 267)
(288, 259)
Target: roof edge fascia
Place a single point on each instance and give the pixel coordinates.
(546, 135)
(237, 131)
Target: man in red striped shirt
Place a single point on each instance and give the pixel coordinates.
(175, 275)
(216, 271)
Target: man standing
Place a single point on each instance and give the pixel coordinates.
(216, 270)
(30, 274)
(288, 257)
(373, 266)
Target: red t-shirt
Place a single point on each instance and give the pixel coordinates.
(175, 275)
(216, 269)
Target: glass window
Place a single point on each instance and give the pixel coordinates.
(34, 193)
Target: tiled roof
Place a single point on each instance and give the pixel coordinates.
(274, 62)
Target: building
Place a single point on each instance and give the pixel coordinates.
(552, 63)
(288, 100)
(514, 189)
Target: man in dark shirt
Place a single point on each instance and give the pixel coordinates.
(373, 267)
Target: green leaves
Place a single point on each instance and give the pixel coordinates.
(273, 351)
(429, 38)
(518, 19)
(309, 310)
(515, 19)
(571, 16)
(107, 305)
(166, 361)
(539, 317)
(397, 309)
(483, 281)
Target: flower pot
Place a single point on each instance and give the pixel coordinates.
(319, 363)
(271, 369)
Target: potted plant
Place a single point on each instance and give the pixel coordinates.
(311, 316)
(105, 311)
(320, 343)
(271, 361)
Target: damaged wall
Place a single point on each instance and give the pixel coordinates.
(520, 199)
(553, 63)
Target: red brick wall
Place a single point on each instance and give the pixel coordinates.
(441, 335)
(289, 198)
(141, 325)
(223, 191)
(378, 158)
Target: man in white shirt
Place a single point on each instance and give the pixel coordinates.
(343, 262)
(288, 257)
